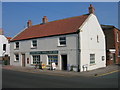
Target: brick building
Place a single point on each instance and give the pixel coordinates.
(112, 36)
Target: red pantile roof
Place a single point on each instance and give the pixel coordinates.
(58, 27)
(8, 38)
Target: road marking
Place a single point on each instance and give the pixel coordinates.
(107, 73)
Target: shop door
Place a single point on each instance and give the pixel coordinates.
(64, 62)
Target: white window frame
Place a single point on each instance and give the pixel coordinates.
(32, 46)
(4, 47)
(17, 47)
(92, 59)
(59, 41)
(16, 58)
(36, 58)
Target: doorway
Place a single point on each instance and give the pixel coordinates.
(114, 58)
(64, 62)
(23, 60)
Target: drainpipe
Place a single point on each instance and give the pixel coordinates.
(78, 49)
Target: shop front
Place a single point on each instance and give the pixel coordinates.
(44, 57)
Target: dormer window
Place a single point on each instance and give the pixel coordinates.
(34, 44)
(16, 45)
(62, 41)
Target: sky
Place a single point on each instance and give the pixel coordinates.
(16, 14)
(0, 14)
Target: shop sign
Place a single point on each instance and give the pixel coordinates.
(44, 52)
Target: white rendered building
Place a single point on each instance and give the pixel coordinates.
(4, 45)
(77, 41)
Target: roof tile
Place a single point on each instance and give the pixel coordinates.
(58, 27)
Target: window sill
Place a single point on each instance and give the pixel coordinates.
(16, 61)
(92, 64)
(62, 46)
(33, 47)
(16, 49)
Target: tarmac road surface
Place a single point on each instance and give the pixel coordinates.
(15, 79)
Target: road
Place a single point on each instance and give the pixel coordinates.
(15, 79)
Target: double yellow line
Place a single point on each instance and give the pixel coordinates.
(107, 73)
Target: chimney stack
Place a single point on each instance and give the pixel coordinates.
(29, 23)
(91, 9)
(1, 31)
(44, 20)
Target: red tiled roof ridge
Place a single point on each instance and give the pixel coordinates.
(68, 18)
(59, 20)
(57, 27)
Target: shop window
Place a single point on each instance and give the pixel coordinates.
(62, 41)
(52, 58)
(16, 57)
(36, 59)
(16, 45)
(34, 44)
(92, 58)
(4, 47)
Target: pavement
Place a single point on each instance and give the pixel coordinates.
(93, 73)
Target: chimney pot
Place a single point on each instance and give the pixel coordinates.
(91, 9)
(29, 23)
(44, 20)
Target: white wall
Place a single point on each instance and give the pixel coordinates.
(3, 40)
(46, 44)
(89, 44)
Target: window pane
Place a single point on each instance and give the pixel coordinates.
(62, 42)
(34, 43)
(92, 58)
(17, 44)
(62, 38)
(36, 59)
(53, 58)
(17, 57)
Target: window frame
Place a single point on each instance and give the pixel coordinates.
(34, 44)
(36, 59)
(52, 60)
(4, 47)
(117, 37)
(17, 45)
(17, 58)
(61, 41)
(92, 59)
